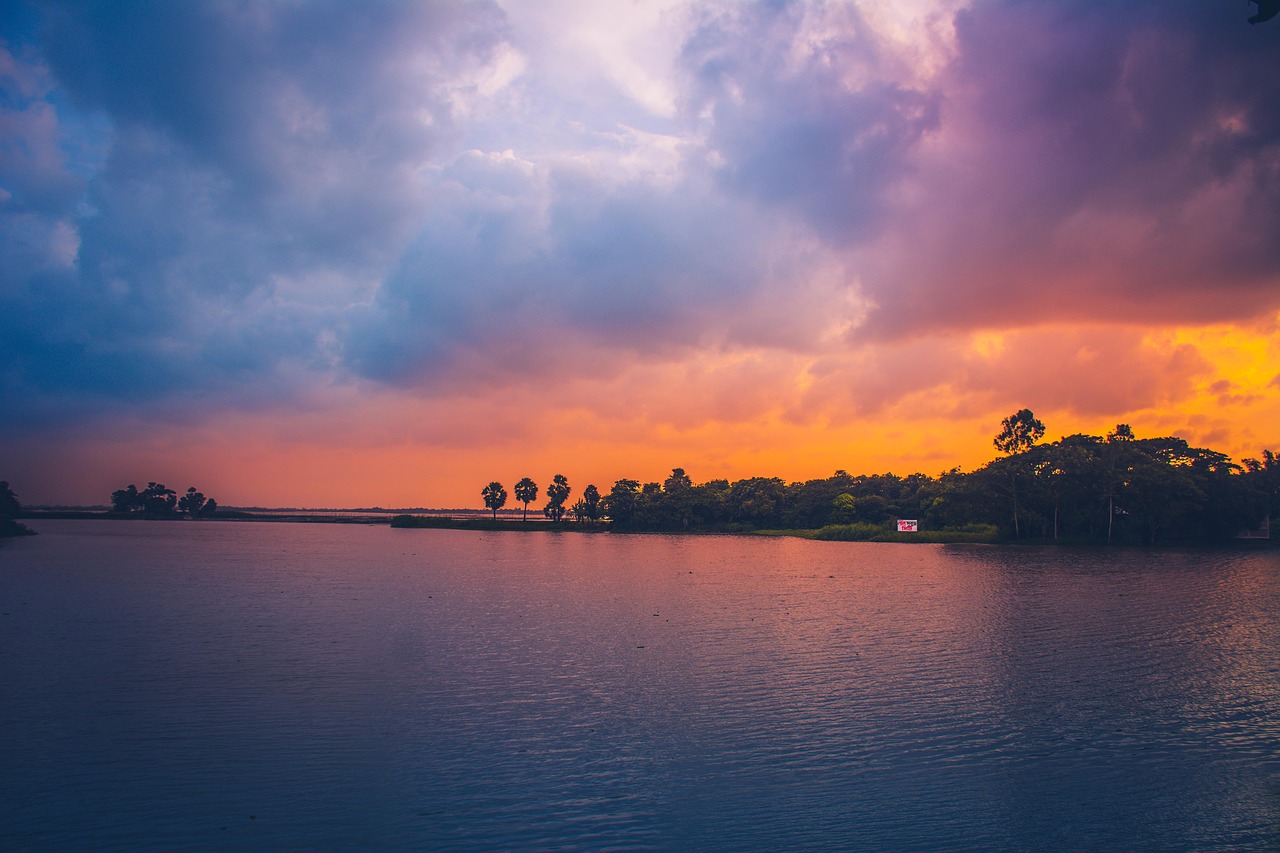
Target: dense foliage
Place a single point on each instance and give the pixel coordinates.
(158, 501)
(495, 497)
(10, 509)
(1116, 488)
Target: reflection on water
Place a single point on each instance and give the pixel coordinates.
(223, 686)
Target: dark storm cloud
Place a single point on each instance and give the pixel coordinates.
(255, 168)
(258, 90)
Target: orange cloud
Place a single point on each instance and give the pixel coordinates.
(925, 405)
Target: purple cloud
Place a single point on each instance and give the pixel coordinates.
(229, 205)
(1101, 162)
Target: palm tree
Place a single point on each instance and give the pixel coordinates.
(495, 496)
(526, 491)
(557, 493)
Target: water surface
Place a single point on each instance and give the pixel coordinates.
(244, 686)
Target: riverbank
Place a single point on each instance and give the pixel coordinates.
(970, 534)
(222, 515)
(436, 522)
(10, 528)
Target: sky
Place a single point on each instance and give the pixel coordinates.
(318, 254)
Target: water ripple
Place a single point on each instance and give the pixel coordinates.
(228, 687)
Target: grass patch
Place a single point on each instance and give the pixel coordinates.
(976, 533)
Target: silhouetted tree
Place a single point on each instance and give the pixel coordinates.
(126, 500)
(1071, 472)
(1265, 475)
(757, 500)
(679, 481)
(1018, 433)
(1115, 457)
(709, 502)
(9, 506)
(621, 502)
(591, 501)
(158, 500)
(10, 509)
(557, 494)
(192, 503)
(495, 497)
(526, 492)
(1156, 492)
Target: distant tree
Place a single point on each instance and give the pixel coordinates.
(812, 502)
(1158, 489)
(1122, 432)
(9, 506)
(126, 500)
(1068, 474)
(843, 509)
(1265, 476)
(526, 491)
(620, 504)
(9, 510)
(1018, 433)
(1117, 455)
(158, 500)
(557, 494)
(579, 510)
(673, 508)
(679, 481)
(495, 497)
(756, 500)
(591, 501)
(192, 503)
(709, 502)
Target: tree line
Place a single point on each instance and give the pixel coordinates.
(10, 509)
(589, 507)
(158, 501)
(1116, 488)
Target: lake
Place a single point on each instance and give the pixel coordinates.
(238, 686)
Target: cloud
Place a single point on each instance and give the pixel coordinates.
(538, 269)
(1094, 162)
(700, 217)
(807, 110)
(1088, 372)
(258, 172)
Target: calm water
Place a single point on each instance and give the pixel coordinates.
(290, 686)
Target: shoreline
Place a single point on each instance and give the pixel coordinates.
(483, 523)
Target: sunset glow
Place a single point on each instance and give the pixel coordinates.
(381, 254)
